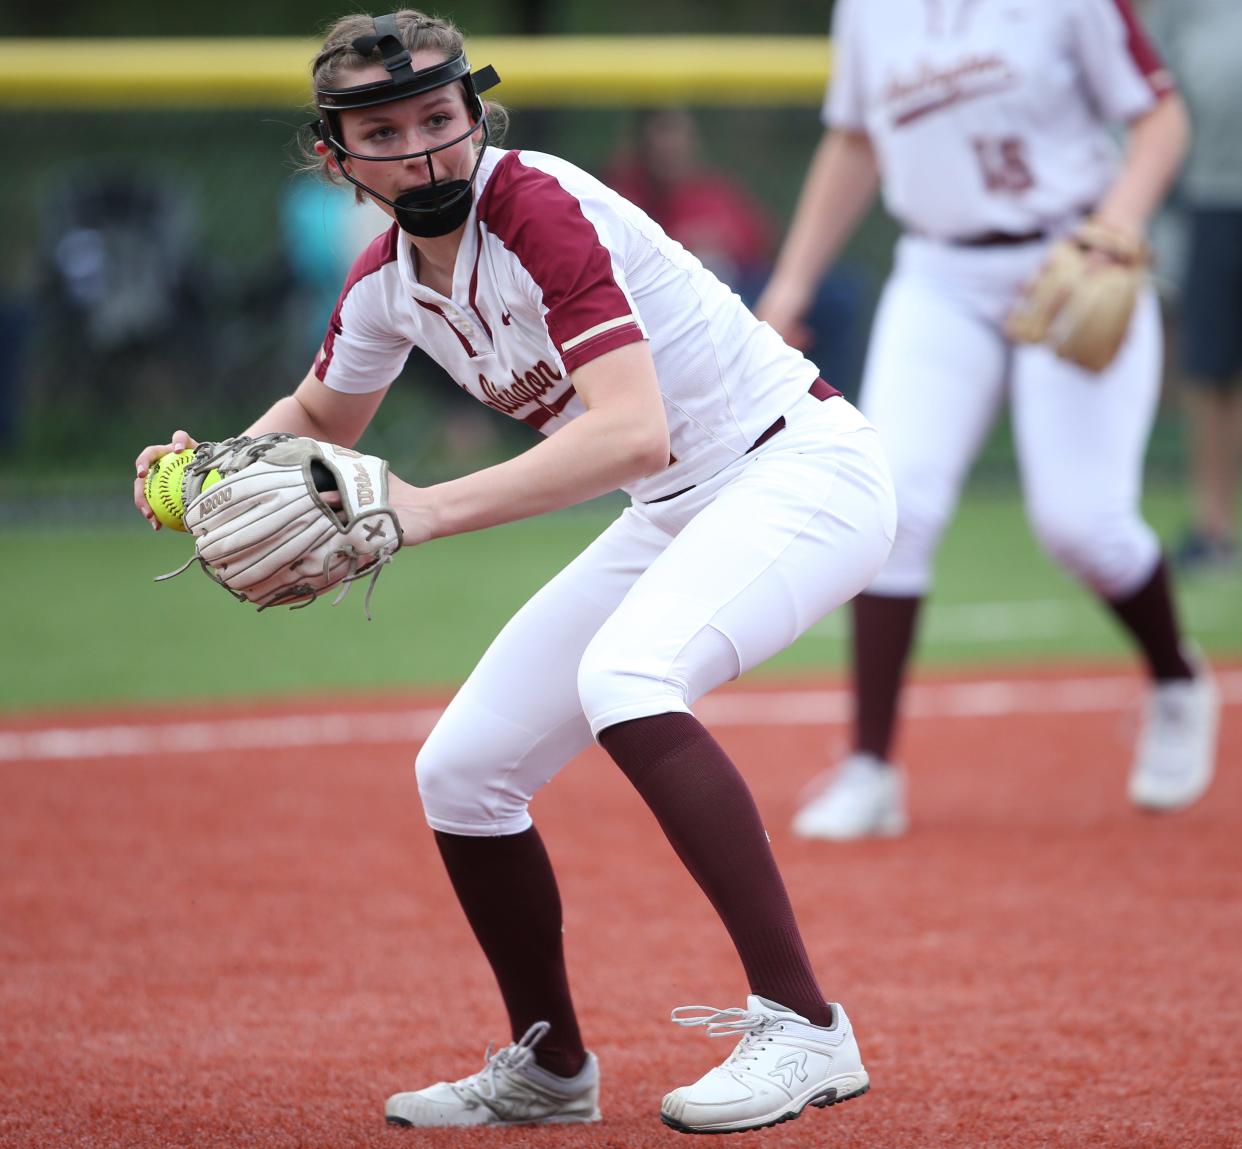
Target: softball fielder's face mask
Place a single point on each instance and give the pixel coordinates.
(441, 206)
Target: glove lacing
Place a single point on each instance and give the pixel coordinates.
(302, 590)
(305, 590)
(206, 455)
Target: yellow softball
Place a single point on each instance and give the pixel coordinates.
(165, 487)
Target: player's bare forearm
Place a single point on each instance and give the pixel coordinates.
(1156, 146)
(839, 187)
(580, 462)
(318, 412)
(621, 437)
(286, 414)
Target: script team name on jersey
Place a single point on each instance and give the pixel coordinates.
(554, 270)
(991, 117)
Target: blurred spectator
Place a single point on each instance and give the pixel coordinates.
(662, 171)
(1202, 43)
(325, 229)
(120, 303)
(118, 247)
(660, 167)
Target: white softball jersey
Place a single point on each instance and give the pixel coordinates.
(990, 115)
(555, 269)
(776, 508)
(995, 124)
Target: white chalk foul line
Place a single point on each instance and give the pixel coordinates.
(727, 708)
(288, 731)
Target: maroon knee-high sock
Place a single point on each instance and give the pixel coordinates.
(1150, 616)
(508, 891)
(883, 634)
(705, 809)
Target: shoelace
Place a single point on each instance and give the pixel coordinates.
(484, 1086)
(850, 777)
(1170, 708)
(857, 774)
(728, 1023)
(1167, 721)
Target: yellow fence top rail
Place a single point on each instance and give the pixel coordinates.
(547, 71)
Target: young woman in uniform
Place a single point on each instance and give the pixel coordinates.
(988, 127)
(760, 500)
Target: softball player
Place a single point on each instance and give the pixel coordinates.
(986, 125)
(760, 501)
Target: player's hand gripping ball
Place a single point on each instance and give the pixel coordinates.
(168, 487)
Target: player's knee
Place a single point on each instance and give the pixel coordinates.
(461, 788)
(1069, 540)
(1108, 552)
(613, 688)
(908, 569)
(439, 776)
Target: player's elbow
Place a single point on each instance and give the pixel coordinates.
(1179, 130)
(644, 448)
(1165, 131)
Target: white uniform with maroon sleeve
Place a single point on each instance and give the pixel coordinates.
(993, 124)
(775, 508)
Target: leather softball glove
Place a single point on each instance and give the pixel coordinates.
(1080, 302)
(265, 530)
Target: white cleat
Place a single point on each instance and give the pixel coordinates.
(864, 797)
(1176, 754)
(782, 1064)
(510, 1089)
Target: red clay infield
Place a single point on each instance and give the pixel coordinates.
(253, 947)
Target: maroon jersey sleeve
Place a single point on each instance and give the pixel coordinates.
(1122, 69)
(543, 224)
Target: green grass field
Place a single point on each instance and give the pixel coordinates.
(85, 625)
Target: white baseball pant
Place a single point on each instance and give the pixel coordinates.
(938, 369)
(672, 600)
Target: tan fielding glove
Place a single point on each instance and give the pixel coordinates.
(1080, 302)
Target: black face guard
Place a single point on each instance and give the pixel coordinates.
(441, 206)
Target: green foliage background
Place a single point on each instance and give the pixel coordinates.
(84, 624)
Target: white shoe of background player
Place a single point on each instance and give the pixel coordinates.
(864, 797)
(782, 1064)
(509, 1090)
(1176, 754)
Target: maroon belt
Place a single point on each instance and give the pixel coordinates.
(819, 389)
(999, 239)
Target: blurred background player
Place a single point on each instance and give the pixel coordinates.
(760, 500)
(661, 166)
(661, 169)
(988, 129)
(1202, 42)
